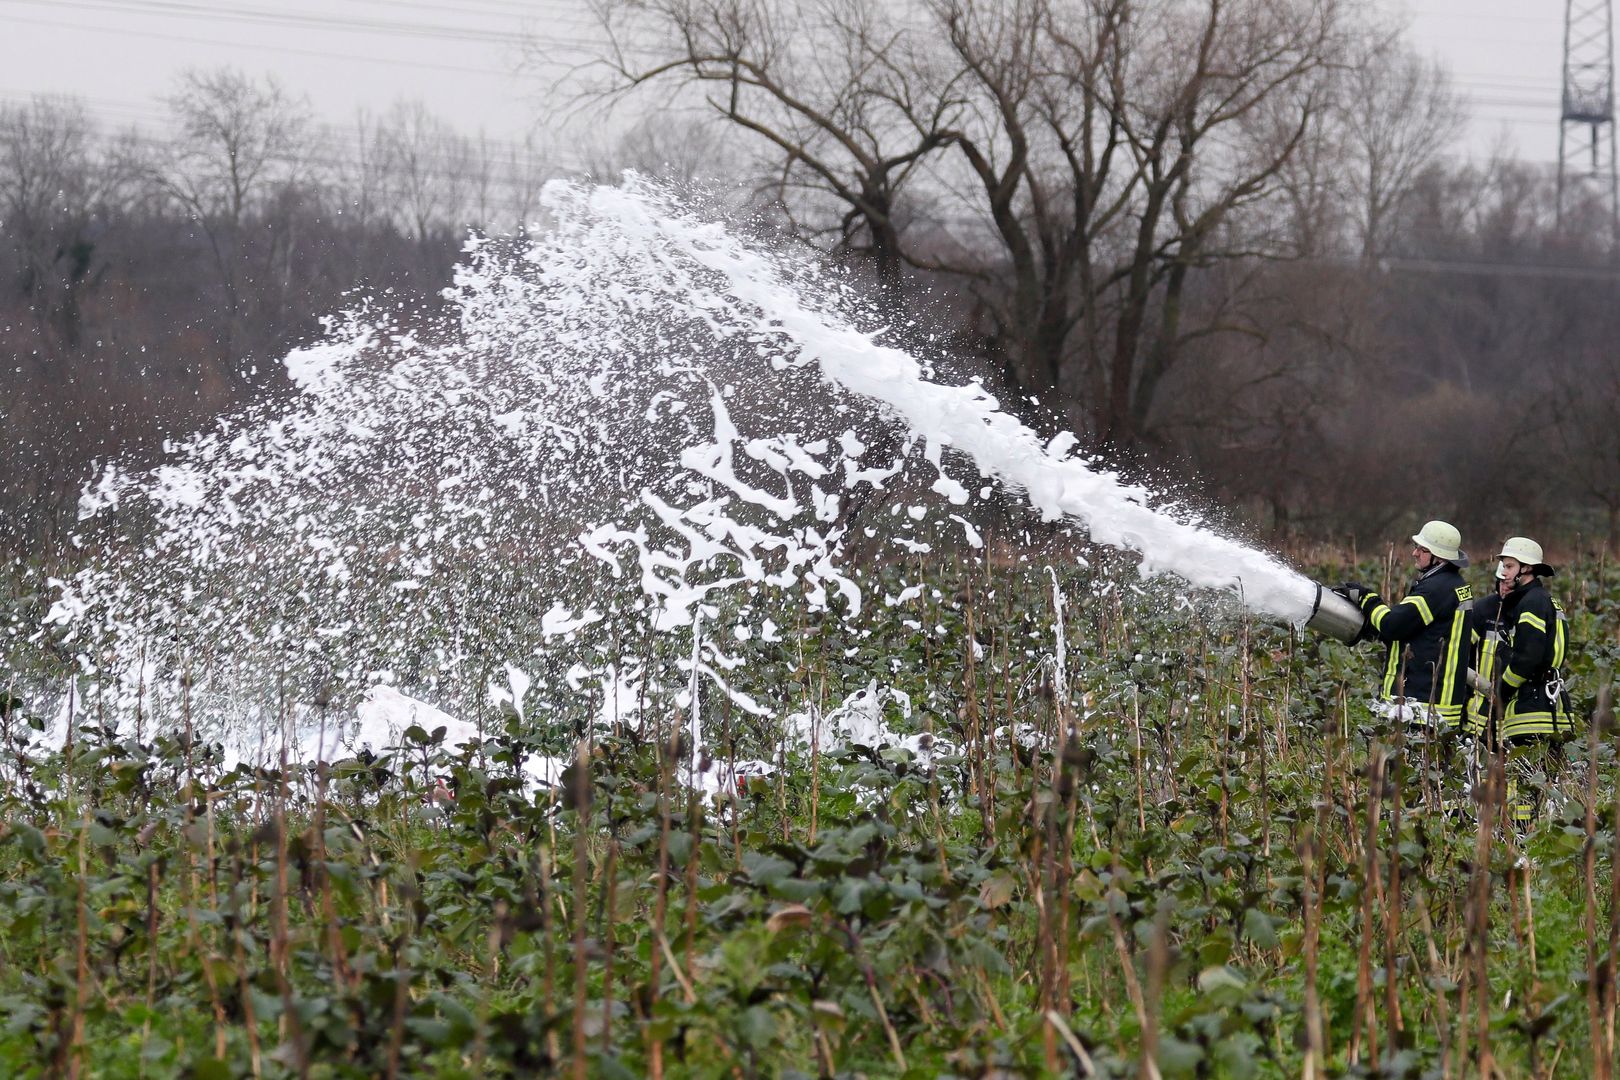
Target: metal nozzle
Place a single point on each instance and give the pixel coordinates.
(1333, 615)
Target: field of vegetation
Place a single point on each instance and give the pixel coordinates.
(1177, 847)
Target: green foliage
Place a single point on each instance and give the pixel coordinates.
(1192, 842)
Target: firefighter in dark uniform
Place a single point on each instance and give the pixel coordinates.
(1534, 702)
(1431, 686)
(1487, 632)
(1528, 698)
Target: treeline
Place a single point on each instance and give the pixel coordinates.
(1469, 370)
(1219, 239)
(1223, 243)
(149, 283)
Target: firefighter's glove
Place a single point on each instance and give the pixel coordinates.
(1356, 593)
(1367, 633)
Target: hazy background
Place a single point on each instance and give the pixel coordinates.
(493, 65)
(1393, 324)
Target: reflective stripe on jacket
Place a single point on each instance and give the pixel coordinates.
(1433, 619)
(1532, 657)
(1486, 631)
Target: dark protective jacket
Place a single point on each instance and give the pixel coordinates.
(1487, 631)
(1532, 663)
(1433, 619)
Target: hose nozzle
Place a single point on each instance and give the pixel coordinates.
(1333, 615)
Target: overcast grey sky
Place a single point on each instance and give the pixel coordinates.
(462, 58)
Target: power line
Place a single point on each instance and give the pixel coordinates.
(512, 70)
(1497, 90)
(1504, 78)
(185, 9)
(321, 54)
(511, 181)
(1535, 20)
(496, 8)
(99, 110)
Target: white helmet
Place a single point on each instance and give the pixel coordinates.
(1526, 551)
(1523, 549)
(1443, 540)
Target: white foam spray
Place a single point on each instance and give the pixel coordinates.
(638, 422)
(755, 297)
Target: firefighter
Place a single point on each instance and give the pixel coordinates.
(1528, 696)
(1533, 698)
(1430, 686)
(1487, 632)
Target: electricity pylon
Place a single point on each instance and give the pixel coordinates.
(1586, 145)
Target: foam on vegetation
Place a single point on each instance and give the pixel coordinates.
(641, 424)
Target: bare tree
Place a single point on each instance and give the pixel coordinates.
(1396, 112)
(829, 87)
(427, 165)
(686, 149)
(483, 179)
(1087, 159)
(363, 171)
(240, 144)
(1312, 209)
(502, 182)
(1582, 403)
(528, 169)
(57, 186)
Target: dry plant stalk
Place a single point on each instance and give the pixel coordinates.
(1310, 903)
(1601, 1059)
(75, 1047)
(548, 901)
(582, 813)
(1477, 923)
(1157, 967)
(1603, 724)
(694, 820)
(975, 722)
(1366, 1011)
(1437, 967)
(1133, 990)
(204, 955)
(610, 903)
(1136, 761)
(668, 748)
(1044, 945)
(1392, 900)
(870, 978)
(402, 997)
